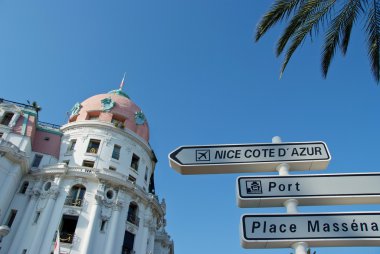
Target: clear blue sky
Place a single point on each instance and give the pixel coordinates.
(193, 68)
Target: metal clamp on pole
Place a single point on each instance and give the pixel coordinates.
(291, 205)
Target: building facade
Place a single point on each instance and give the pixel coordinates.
(84, 187)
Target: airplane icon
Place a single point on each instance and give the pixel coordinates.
(202, 155)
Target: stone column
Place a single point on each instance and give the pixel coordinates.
(121, 227)
(8, 190)
(51, 196)
(112, 230)
(54, 220)
(93, 216)
(143, 233)
(25, 221)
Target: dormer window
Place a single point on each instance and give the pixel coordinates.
(118, 121)
(94, 115)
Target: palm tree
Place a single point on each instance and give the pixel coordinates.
(335, 17)
(36, 107)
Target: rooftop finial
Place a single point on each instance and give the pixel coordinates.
(122, 83)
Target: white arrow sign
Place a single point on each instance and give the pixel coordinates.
(326, 189)
(215, 159)
(318, 230)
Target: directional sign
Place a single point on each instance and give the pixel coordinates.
(326, 189)
(215, 159)
(318, 230)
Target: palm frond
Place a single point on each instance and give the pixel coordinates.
(304, 29)
(279, 10)
(354, 10)
(306, 11)
(341, 26)
(373, 40)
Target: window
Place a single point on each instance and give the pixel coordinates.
(67, 228)
(76, 195)
(89, 164)
(103, 225)
(132, 179)
(66, 162)
(146, 174)
(37, 160)
(24, 187)
(36, 217)
(7, 118)
(93, 146)
(11, 218)
(71, 146)
(118, 122)
(132, 214)
(112, 168)
(116, 152)
(1, 134)
(135, 162)
(128, 243)
(93, 117)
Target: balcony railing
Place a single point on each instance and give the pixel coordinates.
(133, 219)
(127, 251)
(73, 202)
(65, 237)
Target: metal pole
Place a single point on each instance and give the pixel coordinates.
(291, 205)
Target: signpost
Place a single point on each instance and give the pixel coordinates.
(320, 229)
(216, 159)
(326, 189)
(293, 229)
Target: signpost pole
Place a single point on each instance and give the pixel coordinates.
(290, 204)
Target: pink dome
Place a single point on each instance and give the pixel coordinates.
(115, 107)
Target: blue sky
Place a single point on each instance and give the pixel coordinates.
(193, 67)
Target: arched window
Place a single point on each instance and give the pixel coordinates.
(76, 194)
(132, 213)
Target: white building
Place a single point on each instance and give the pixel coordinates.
(91, 180)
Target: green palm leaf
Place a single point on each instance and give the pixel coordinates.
(337, 19)
(298, 36)
(280, 9)
(339, 32)
(373, 30)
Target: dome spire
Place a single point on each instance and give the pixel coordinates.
(122, 83)
(119, 91)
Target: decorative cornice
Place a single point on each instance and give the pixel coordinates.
(110, 127)
(12, 152)
(109, 177)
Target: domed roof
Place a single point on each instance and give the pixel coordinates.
(114, 107)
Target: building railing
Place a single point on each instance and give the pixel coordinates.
(48, 125)
(17, 103)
